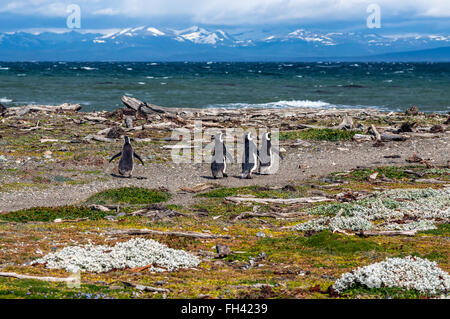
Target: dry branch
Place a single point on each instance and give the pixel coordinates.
(366, 233)
(145, 288)
(51, 279)
(164, 233)
(286, 201)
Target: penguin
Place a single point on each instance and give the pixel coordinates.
(127, 154)
(250, 158)
(267, 155)
(220, 156)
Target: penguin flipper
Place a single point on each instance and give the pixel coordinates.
(137, 156)
(229, 156)
(115, 156)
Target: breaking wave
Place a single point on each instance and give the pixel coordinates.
(279, 104)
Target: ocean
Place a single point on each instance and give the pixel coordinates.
(100, 85)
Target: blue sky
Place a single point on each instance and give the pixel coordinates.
(398, 16)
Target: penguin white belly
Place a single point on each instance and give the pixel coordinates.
(255, 162)
(224, 165)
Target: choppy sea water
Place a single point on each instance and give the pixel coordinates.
(100, 86)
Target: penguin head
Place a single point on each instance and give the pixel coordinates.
(126, 140)
(248, 136)
(268, 136)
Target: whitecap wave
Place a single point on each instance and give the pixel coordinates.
(87, 68)
(4, 68)
(5, 100)
(279, 104)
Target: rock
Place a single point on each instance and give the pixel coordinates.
(406, 127)
(412, 111)
(222, 250)
(2, 109)
(373, 176)
(48, 154)
(437, 129)
(115, 132)
(128, 122)
(448, 121)
(3, 158)
(260, 234)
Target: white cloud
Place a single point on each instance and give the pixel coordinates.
(236, 11)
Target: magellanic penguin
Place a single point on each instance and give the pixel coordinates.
(267, 155)
(220, 156)
(250, 158)
(127, 155)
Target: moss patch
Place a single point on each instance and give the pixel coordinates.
(318, 135)
(47, 214)
(129, 195)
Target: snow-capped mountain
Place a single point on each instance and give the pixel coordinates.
(196, 43)
(193, 34)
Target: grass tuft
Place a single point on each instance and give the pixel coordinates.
(318, 135)
(129, 195)
(48, 214)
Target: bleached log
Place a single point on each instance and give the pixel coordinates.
(286, 201)
(22, 110)
(144, 107)
(164, 233)
(99, 208)
(145, 288)
(50, 279)
(366, 233)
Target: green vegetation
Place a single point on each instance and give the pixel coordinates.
(322, 242)
(382, 293)
(442, 230)
(49, 214)
(257, 191)
(129, 195)
(318, 135)
(35, 289)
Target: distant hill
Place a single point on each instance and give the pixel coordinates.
(147, 43)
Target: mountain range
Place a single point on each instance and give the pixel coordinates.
(148, 43)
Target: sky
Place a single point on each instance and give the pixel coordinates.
(397, 16)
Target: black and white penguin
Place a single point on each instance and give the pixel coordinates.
(127, 155)
(250, 158)
(220, 156)
(267, 155)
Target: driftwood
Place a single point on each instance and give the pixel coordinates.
(145, 288)
(99, 208)
(164, 233)
(22, 110)
(388, 137)
(286, 201)
(50, 279)
(143, 107)
(157, 211)
(95, 118)
(366, 233)
(197, 188)
(347, 123)
(373, 130)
